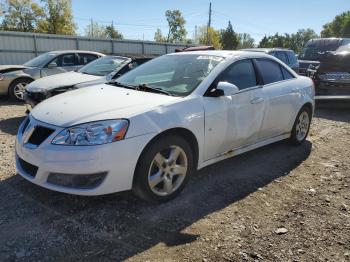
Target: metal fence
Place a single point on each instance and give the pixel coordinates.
(18, 47)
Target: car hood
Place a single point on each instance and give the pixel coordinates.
(95, 103)
(60, 80)
(10, 68)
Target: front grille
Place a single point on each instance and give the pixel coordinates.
(39, 135)
(345, 76)
(77, 181)
(28, 168)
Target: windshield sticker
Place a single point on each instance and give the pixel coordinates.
(208, 57)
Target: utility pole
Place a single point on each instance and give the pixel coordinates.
(209, 25)
(92, 28)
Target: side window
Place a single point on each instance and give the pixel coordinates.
(282, 56)
(64, 60)
(292, 57)
(241, 74)
(286, 74)
(84, 59)
(270, 70)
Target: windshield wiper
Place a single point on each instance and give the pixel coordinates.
(122, 85)
(144, 87)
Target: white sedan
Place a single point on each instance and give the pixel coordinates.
(150, 130)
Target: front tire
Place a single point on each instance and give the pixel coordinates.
(301, 126)
(163, 169)
(17, 88)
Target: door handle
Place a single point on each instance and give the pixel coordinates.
(256, 100)
(295, 90)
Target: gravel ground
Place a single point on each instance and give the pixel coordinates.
(277, 203)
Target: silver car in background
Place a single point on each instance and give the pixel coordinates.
(102, 70)
(14, 78)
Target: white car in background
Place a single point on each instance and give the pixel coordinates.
(97, 72)
(150, 130)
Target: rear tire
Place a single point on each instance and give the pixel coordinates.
(17, 88)
(301, 126)
(163, 169)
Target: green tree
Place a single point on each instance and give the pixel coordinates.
(294, 41)
(229, 38)
(245, 41)
(346, 28)
(158, 36)
(95, 30)
(214, 36)
(58, 18)
(21, 15)
(336, 27)
(177, 32)
(111, 32)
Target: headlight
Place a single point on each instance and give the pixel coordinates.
(94, 133)
(2, 77)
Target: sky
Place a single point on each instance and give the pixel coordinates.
(137, 19)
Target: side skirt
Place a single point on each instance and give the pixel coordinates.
(241, 150)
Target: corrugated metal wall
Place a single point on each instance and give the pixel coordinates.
(18, 47)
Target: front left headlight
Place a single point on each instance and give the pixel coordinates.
(94, 133)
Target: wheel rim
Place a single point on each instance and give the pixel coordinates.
(19, 89)
(167, 171)
(302, 126)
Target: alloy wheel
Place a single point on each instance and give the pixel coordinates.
(302, 126)
(19, 90)
(168, 170)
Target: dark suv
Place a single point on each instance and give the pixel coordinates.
(316, 49)
(287, 56)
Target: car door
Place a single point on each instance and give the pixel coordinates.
(60, 64)
(281, 97)
(234, 121)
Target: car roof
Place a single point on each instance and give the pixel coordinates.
(225, 53)
(56, 52)
(266, 50)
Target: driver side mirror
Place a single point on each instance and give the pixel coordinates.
(52, 65)
(225, 89)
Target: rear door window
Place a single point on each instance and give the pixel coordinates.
(65, 60)
(286, 74)
(241, 73)
(270, 70)
(84, 59)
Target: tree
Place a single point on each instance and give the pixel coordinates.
(294, 41)
(336, 27)
(158, 36)
(21, 15)
(95, 30)
(229, 39)
(245, 41)
(177, 32)
(346, 28)
(59, 17)
(214, 36)
(111, 32)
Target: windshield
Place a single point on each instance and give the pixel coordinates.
(103, 66)
(315, 50)
(175, 74)
(40, 60)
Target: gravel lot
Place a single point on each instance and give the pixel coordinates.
(277, 203)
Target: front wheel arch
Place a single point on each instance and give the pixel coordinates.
(178, 131)
(16, 80)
